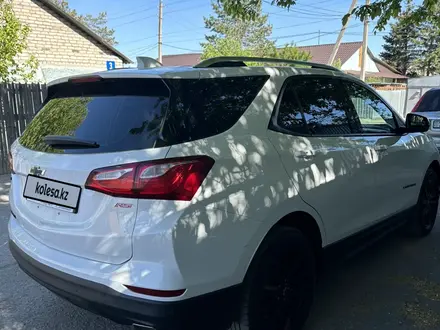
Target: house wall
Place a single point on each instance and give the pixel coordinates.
(353, 63)
(57, 44)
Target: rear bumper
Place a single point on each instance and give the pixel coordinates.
(207, 311)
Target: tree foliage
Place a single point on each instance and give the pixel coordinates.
(13, 42)
(400, 44)
(427, 60)
(337, 63)
(224, 47)
(380, 10)
(251, 35)
(413, 48)
(290, 52)
(97, 24)
(58, 117)
(234, 36)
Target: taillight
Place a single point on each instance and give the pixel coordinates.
(169, 179)
(10, 162)
(418, 103)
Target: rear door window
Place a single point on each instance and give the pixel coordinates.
(430, 102)
(289, 117)
(118, 115)
(207, 107)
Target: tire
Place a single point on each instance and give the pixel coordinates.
(280, 284)
(425, 215)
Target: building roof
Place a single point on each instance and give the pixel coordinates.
(321, 53)
(385, 70)
(181, 59)
(82, 27)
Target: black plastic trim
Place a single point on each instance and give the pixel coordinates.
(357, 242)
(218, 307)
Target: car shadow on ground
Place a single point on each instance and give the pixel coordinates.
(394, 284)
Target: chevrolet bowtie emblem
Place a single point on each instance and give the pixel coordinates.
(37, 171)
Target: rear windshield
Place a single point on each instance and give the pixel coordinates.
(131, 114)
(430, 102)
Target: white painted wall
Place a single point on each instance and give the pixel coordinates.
(353, 63)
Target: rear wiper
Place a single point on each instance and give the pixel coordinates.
(68, 142)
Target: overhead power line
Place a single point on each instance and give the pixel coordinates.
(155, 15)
(310, 15)
(142, 49)
(310, 33)
(181, 48)
(143, 9)
(155, 35)
(321, 9)
(135, 20)
(177, 2)
(317, 34)
(180, 10)
(132, 13)
(295, 9)
(302, 24)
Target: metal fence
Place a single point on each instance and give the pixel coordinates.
(419, 86)
(18, 105)
(363, 110)
(396, 99)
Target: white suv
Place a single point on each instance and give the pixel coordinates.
(205, 196)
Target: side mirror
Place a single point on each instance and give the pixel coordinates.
(416, 123)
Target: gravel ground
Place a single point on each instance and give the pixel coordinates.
(393, 285)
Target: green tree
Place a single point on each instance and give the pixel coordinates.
(290, 52)
(97, 24)
(13, 42)
(240, 34)
(233, 36)
(400, 46)
(337, 63)
(380, 10)
(224, 47)
(428, 49)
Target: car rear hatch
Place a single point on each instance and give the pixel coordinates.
(84, 125)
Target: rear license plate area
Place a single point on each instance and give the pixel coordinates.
(52, 192)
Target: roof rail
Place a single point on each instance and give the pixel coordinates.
(228, 61)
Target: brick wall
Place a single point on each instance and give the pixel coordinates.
(57, 43)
